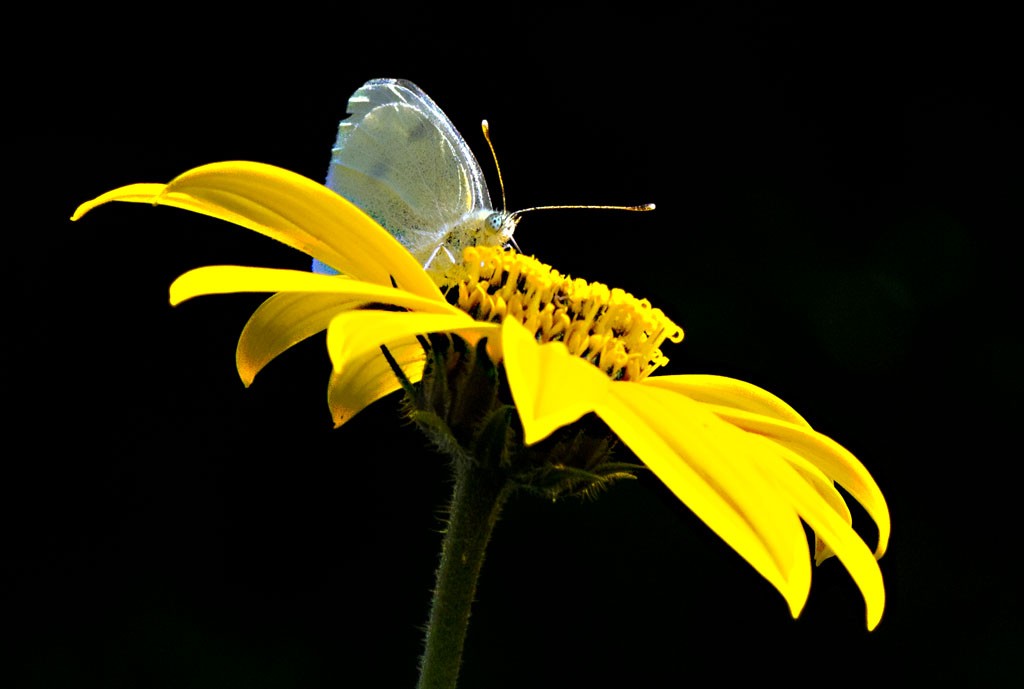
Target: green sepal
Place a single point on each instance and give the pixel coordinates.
(556, 481)
(403, 380)
(436, 393)
(492, 445)
(439, 434)
(474, 383)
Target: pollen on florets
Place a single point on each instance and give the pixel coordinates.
(609, 327)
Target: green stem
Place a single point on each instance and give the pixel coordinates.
(477, 497)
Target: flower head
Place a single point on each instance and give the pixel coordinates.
(745, 462)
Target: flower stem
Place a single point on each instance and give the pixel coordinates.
(477, 497)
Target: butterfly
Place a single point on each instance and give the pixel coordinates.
(400, 159)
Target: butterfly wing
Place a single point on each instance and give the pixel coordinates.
(399, 158)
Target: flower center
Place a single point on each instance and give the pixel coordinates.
(611, 328)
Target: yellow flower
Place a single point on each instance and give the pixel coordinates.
(745, 462)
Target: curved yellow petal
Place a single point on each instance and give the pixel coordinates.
(742, 396)
(232, 279)
(551, 388)
(728, 392)
(833, 459)
(284, 320)
(133, 193)
(835, 531)
(712, 468)
(350, 335)
(292, 209)
(368, 378)
(826, 489)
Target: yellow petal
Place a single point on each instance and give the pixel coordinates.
(282, 321)
(232, 279)
(712, 468)
(835, 531)
(292, 209)
(826, 489)
(832, 458)
(729, 392)
(133, 193)
(550, 387)
(352, 334)
(368, 378)
(739, 395)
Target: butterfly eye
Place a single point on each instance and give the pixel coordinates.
(496, 220)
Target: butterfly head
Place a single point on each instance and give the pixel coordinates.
(503, 224)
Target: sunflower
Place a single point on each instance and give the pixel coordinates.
(513, 349)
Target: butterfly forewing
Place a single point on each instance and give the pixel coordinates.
(399, 158)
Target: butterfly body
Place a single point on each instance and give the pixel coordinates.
(399, 158)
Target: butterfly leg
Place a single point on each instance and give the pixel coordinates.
(433, 255)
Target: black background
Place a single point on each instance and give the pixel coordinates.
(838, 210)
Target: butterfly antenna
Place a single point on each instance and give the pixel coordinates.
(501, 184)
(516, 214)
(641, 207)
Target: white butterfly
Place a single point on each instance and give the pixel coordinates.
(399, 158)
